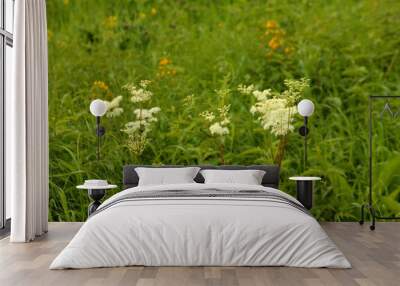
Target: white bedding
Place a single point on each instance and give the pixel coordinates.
(200, 231)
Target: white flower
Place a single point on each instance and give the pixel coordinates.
(144, 117)
(245, 89)
(224, 110)
(113, 109)
(113, 103)
(146, 114)
(278, 121)
(131, 127)
(225, 121)
(138, 94)
(262, 95)
(115, 112)
(144, 83)
(274, 113)
(218, 129)
(207, 115)
(155, 109)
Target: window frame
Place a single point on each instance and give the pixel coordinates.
(6, 39)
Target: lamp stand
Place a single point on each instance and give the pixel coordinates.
(304, 132)
(100, 131)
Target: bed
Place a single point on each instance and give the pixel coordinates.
(201, 224)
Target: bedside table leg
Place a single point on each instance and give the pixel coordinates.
(96, 196)
(93, 207)
(305, 193)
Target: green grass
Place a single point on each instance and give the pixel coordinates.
(349, 50)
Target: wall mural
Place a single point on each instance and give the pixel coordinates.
(197, 82)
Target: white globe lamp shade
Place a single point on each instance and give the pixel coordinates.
(305, 108)
(98, 107)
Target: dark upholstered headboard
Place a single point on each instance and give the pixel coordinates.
(271, 177)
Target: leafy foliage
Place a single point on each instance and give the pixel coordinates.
(348, 49)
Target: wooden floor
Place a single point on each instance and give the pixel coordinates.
(375, 257)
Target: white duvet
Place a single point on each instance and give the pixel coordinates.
(200, 231)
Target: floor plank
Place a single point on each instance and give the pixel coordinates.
(375, 257)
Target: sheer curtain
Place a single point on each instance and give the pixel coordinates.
(27, 124)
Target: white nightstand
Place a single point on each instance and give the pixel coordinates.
(305, 190)
(96, 193)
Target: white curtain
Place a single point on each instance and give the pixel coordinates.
(27, 124)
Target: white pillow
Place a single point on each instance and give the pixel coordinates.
(248, 177)
(166, 176)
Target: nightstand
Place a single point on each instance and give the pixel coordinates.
(96, 192)
(305, 190)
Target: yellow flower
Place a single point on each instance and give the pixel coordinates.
(111, 22)
(164, 68)
(66, 2)
(100, 85)
(153, 11)
(164, 62)
(142, 15)
(288, 50)
(271, 24)
(274, 43)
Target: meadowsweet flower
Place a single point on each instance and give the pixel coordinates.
(138, 129)
(132, 127)
(274, 115)
(144, 83)
(218, 122)
(223, 111)
(113, 108)
(294, 89)
(154, 110)
(262, 95)
(113, 103)
(279, 121)
(245, 89)
(138, 94)
(225, 121)
(146, 115)
(276, 111)
(208, 115)
(115, 112)
(218, 129)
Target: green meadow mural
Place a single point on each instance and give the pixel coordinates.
(217, 82)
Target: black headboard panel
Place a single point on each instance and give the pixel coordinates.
(271, 177)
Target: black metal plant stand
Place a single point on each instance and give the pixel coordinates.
(369, 206)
